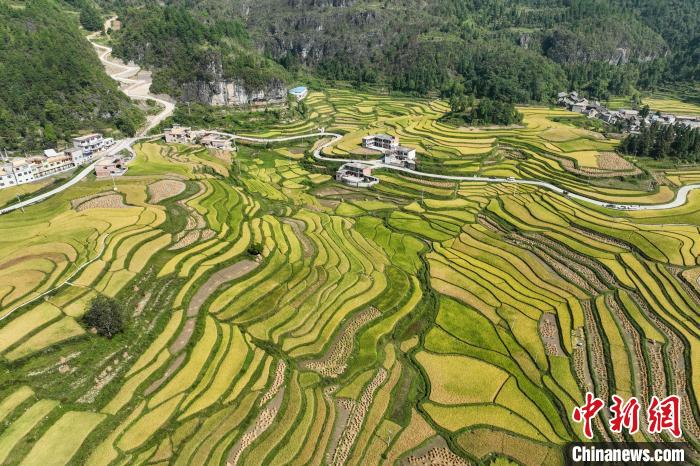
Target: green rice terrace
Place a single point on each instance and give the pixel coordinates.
(275, 316)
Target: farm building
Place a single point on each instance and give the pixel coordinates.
(380, 142)
(7, 177)
(111, 166)
(78, 156)
(299, 92)
(356, 174)
(401, 156)
(394, 154)
(92, 143)
(214, 141)
(178, 134)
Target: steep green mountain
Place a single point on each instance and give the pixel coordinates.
(53, 84)
(195, 61)
(515, 50)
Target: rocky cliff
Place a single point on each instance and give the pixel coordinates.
(233, 92)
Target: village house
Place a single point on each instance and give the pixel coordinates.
(51, 163)
(178, 134)
(7, 177)
(633, 121)
(110, 166)
(394, 154)
(78, 156)
(401, 156)
(215, 141)
(580, 106)
(23, 170)
(91, 143)
(380, 142)
(356, 174)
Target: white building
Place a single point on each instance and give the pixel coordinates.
(401, 156)
(7, 177)
(78, 156)
(23, 170)
(299, 93)
(381, 142)
(356, 174)
(214, 141)
(90, 143)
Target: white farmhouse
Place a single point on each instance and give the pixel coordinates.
(380, 142)
(7, 177)
(89, 143)
(401, 156)
(356, 174)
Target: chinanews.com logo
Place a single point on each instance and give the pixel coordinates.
(662, 421)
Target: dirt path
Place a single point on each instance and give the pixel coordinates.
(134, 82)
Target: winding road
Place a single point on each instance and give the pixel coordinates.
(136, 85)
(679, 200)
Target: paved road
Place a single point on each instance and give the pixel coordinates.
(118, 146)
(680, 199)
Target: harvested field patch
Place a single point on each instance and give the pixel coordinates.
(107, 201)
(334, 362)
(164, 189)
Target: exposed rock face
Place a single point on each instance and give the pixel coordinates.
(216, 87)
(233, 92)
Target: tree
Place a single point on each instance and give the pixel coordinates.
(105, 315)
(255, 249)
(644, 112)
(90, 18)
(459, 103)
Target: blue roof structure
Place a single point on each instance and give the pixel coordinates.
(298, 90)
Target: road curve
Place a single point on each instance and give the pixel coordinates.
(134, 86)
(679, 200)
(116, 148)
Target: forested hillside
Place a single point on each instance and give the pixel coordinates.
(53, 84)
(188, 56)
(519, 51)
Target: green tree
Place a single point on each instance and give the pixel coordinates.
(105, 315)
(644, 112)
(90, 18)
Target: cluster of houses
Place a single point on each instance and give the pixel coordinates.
(394, 154)
(360, 174)
(20, 170)
(186, 135)
(631, 119)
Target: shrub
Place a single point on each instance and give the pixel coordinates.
(255, 249)
(105, 315)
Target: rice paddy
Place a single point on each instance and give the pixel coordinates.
(276, 317)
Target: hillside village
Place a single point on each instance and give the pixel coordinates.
(630, 120)
(19, 170)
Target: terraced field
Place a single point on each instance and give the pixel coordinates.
(276, 317)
